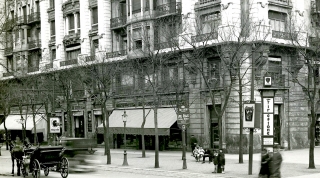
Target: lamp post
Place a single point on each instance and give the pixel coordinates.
(124, 119)
(183, 121)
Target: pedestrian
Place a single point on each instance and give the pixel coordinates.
(276, 162)
(221, 161)
(207, 153)
(215, 161)
(193, 143)
(264, 170)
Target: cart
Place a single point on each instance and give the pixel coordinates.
(44, 158)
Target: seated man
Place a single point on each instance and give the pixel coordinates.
(207, 153)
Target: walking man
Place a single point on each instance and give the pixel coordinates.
(276, 162)
(193, 143)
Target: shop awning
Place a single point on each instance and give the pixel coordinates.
(13, 122)
(166, 117)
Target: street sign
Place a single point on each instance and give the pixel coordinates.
(54, 125)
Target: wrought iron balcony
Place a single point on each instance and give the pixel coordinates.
(285, 3)
(208, 1)
(90, 58)
(49, 66)
(7, 74)
(71, 39)
(166, 44)
(116, 54)
(22, 20)
(34, 44)
(118, 22)
(34, 17)
(284, 35)
(168, 9)
(70, 6)
(69, 62)
(204, 37)
(33, 69)
(8, 51)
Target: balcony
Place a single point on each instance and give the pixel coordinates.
(116, 54)
(93, 3)
(204, 37)
(7, 74)
(166, 44)
(284, 35)
(49, 66)
(71, 39)
(8, 51)
(51, 13)
(33, 69)
(34, 44)
(22, 20)
(118, 22)
(68, 62)
(205, 4)
(282, 3)
(52, 40)
(168, 9)
(70, 7)
(34, 17)
(90, 58)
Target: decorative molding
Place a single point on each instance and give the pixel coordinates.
(226, 6)
(300, 12)
(263, 5)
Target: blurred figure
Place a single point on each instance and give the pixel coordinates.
(215, 161)
(207, 153)
(276, 162)
(221, 161)
(264, 170)
(193, 143)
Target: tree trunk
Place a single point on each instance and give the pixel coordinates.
(241, 121)
(105, 119)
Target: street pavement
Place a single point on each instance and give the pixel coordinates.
(295, 164)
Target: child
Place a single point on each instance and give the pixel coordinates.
(221, 161)
(215, 161)
(196, 153)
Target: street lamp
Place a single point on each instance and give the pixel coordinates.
(124, 119)
(183, 117)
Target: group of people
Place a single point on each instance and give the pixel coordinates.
(16, 150)
(215, 156)
(270, 163)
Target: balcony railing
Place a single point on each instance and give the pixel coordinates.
(69, 62)
(49, 66)
(7, 74)
(166, 44)
(8, 50)
(33, 69)
(71, 39)
(204, 37)
(118, 22)
(116, 54)
(284, 35)
(281, 2)
(94, 27)
(90, 58)
(34, 44)
(22, 20)
(34, 17)
(167, 9)
(207, 1)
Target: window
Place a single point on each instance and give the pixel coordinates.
(53, 28)
(53, 54)
(94, 13)
(136, 6)
(51, 3)
(10, 64)
(78, 22)
(72, 54)
(127, 80)
(214, 70)
(210, 22)
(95, 47)
(277, 21)
(137, 40)
(71, 23)
(275, 70)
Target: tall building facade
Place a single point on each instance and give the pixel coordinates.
(56, 35)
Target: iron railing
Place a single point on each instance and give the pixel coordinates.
(118, 22)
(34, 17)
(170, 8)
(116, 54)
(284, 35)
(69, 62)
(34, 44)
(204, 37)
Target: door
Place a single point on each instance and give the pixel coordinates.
(79, 126)
(277, 124)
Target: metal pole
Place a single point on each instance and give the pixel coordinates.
(252, 101)
(184, 147)
(125, 162)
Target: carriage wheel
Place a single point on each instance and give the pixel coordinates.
(46, 171)
(36, 169)
(64, 167)
(23, 169)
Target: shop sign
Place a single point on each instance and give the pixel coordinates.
(267, 141)
(268, 105)
(268, 124)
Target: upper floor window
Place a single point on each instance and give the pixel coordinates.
(53, 54)
(277, 21)
(53, 28)
(210, 22)
(71, 23)
(214, 69)
(94, 15)
(137, 38)
(51, 3)
(72, 54)
(136, 6)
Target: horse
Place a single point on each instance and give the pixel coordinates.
(16, 154)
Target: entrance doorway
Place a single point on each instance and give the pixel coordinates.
(214, 127)
(277, 124)
(79, 126)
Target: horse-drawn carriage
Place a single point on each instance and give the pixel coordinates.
(44, 158)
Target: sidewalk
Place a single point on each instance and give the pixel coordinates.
(295, 164)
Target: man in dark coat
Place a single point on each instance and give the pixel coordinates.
(276, 162)
(207, 153)
(264, 170)
(221, 161)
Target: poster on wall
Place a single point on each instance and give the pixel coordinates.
(89, 122)
(54, 125)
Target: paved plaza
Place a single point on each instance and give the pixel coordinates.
(295, 164)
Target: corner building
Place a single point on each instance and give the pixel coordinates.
(58, 35)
